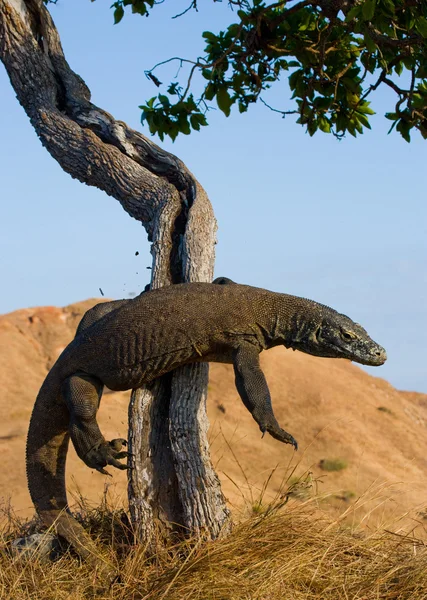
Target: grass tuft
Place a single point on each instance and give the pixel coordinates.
(332, 464)
(286, 550)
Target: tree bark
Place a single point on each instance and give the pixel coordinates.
(172, 480)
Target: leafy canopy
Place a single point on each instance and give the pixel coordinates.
(334, 54)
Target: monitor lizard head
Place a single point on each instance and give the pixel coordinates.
(330, 334)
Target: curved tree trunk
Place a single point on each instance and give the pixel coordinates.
(172, 480)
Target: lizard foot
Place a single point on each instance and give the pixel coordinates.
(267, 422)
(107, 453)
(281, 435)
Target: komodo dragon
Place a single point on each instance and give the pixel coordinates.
(127, 343)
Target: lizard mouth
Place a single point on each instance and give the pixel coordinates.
(374, 357)
(377, 358)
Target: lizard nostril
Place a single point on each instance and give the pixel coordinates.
(381, 354)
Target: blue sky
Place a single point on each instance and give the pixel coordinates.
(343, 223)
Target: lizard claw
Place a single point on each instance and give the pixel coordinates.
(103, 471)
(285, 437)
(107, 453)
(280, 434)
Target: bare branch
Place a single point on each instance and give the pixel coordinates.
(192, 5)
(383, 40)
(173, 58)
(395, 87)
(282, 112)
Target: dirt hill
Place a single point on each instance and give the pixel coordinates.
(355, 432)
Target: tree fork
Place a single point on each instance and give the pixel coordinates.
(157, 189)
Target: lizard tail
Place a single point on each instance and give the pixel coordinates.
(47, 445)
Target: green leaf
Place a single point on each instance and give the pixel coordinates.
(369, 43)
(399, 68)
(312, 127)
(118, 14)
(358, 126)
(408, 61)
(151, 101)
(418, 101)
(209, 36)
(202, 119)
(195, 122)
(421, 26)
(233, 29)
(351, 129)
(164, 100)
(294, 78)
(323, 103)
(403, 128)
(342, 121)
(305, 21)
(354, 12)
(351, 85)
(207, 74)
(363, 119)
(173, 131)
(184, 125)
(224, 100)
(173, 89)
(324, 125)
(139, 9)
(390, 6)
(368, 9)
(210, 91)
(365, 109)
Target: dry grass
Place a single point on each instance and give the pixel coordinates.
(289, 550)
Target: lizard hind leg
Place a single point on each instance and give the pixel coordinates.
(47, 446)
(82, 394)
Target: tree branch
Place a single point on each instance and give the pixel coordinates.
(88, 142)
(384, 40)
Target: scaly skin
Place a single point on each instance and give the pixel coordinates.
(127, 343)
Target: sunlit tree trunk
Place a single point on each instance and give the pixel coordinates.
(172, 482)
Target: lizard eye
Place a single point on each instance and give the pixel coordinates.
(346, 336)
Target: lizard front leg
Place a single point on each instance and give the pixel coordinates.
(253, 389)
(82, 395)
